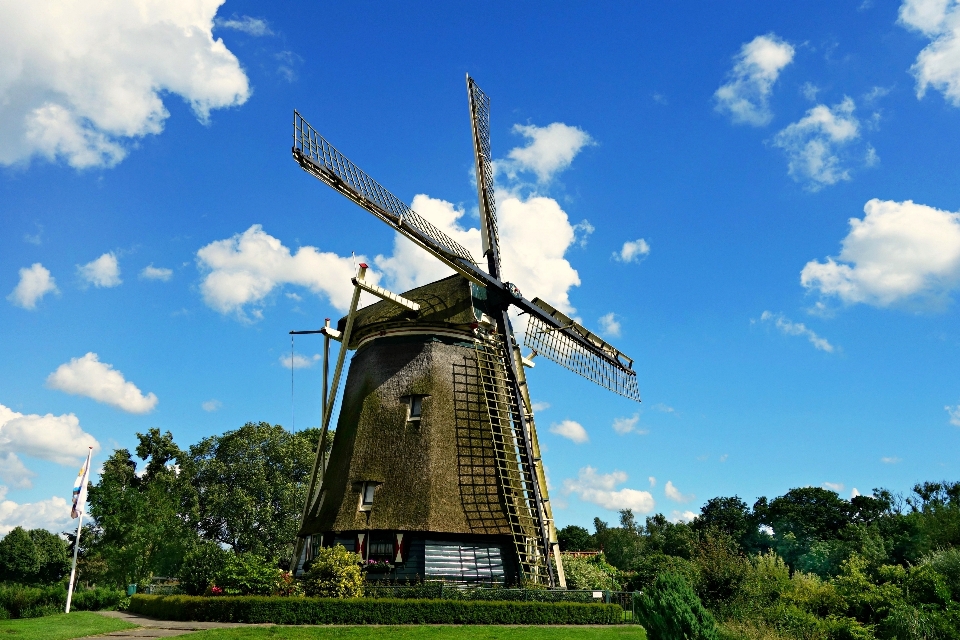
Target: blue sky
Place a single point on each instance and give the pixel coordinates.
(756, 202)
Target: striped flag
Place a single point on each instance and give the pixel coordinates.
(80, 487)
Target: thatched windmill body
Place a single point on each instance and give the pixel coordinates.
(435, 468)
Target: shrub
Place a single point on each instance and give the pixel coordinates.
(670, 610)
(649, 566)
(335, 573)
(947, 564)
(201, 567)
(257, 609)
(248, 574)
(591, 573)
(19, 601)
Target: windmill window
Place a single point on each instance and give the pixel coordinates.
(366, 495)
(414, 408)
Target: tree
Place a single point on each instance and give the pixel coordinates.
(54, 563)
(670, 610)
(19, 560)
(251, 486)
(574, 538)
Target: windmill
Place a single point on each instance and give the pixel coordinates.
(435, 469)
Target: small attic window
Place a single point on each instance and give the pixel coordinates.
(366, 495)
(414, 408)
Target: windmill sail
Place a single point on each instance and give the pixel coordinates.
(480, 123)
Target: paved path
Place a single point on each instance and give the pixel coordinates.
(150, 628)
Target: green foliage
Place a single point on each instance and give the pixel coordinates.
(201, 567)
(947, 563)
(649, 566)
(251, 486)
(335, 573)
(19, 559)
(670, 610)
(591, 573)
(248, 574)
(574, 538)
(19, 601)
(257, 609)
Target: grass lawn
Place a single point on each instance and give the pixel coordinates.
(425, 632)
(61, 626)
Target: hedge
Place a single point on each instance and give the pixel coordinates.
(287, 610)
(20, 601)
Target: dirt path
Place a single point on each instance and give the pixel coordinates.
(150, 628)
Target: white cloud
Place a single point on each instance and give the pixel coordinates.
(854, 493)
(626, 425)
(251, 26)
(540, 406)
(724, 457)
(240, 272)
(632, 251)
(549, 150)
(151, 272)
(892, 459)
(938, 64)
(810, 91)
(600, 489)
(653, 481)
(816, 145)
(52, 514)
(35, 283)
(89, 377)
(898, 250)
(609, 325)
(682, 516)
(664, 408)
(674, 494)
(102, 272)
(299, 361)
(82, 81)
(58, 439)
(570, 430)
(746, 95)
(790, 328)
(954, 413)
(211, 405)
(833, 486)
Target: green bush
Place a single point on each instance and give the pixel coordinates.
(258, 609)
(591, 573)
(201, 566)
(670, 610)
(334, 573)
(19, 601)
(19, 559)
(248, 574)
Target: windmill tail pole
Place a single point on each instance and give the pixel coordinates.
(319, 464)
(73, 568)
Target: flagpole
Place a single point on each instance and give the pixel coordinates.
(73, 569)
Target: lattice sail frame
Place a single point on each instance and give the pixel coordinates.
(322, 159)
(516, 477)
(554, 344)
(480, 120)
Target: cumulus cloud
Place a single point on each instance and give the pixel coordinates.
(58, 439)
(833, 486)
(82, 82)
(818, 145)
(790, 328)
(540, 406)
(682, 516)
(954, 413)
(151, 272)
(103, 272)
(299, 361)
(241, 271)
(632, 251)
(52, 514)
(35, 283)
(897, 251)
(548, 151)
(211, 405)
(938, 64)
(570, 430)
(671, 491)
(626, 425)
(600, 489)
(653, 481)
(251, 26)
(746, 95)
(610, 325)
(89, 377)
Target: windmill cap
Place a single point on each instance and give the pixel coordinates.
(363, 265)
